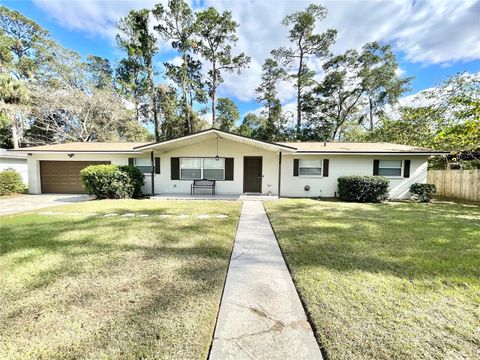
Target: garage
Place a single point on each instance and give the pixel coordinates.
(63, 177)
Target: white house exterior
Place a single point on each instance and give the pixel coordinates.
(239, 164)
(16, 161)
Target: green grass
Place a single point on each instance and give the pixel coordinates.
(386, 281)
(82, 286)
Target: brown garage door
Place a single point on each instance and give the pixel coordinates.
(63, 177)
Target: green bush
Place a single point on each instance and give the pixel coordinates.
(136, 177)
(363, 188)
(423, 192)
(11, 182)
(112, 181)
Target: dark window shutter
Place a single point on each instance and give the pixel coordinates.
(325, 167)
(131, 161)
(376, 165)
(229, 169)
(157, 165)
(406, 170)
(175, 168)
(295, 167)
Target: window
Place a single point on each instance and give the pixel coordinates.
(202, 168)
(144, 165)
(190, 168)
(310, 167)
(390, 168)
(214, 169)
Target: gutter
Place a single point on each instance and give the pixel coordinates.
(424, 153)
(78, 152)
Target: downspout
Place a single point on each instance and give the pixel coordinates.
(279, 172)
(152, 161)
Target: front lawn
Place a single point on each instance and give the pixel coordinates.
(81, 285)
(386, 281)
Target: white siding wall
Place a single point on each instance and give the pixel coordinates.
(226, 148)
(19, 165)
(340, 165)
(163, 182)
(34, 184)
(292, 186)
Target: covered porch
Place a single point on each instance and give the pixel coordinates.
(239, 166)
(231, 197)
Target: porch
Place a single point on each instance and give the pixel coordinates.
(231, 197)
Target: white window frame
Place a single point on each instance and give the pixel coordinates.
(311, 167)
(205, 168)
(149, 165)
(389, 167)
(190, 178)
(202, 168)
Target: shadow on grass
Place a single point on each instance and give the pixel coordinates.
(106, 236)
(186, 264)
(405, 240)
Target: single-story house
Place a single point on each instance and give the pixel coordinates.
(16, 161)
(238, 164)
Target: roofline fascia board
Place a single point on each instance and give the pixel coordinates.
(424, 153)
(9, 154)
(82, 152)
(186, 137)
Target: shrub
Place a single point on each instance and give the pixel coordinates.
(363, 188)
(136, 177)
(423, 192)
(11, 182)
(112, 181)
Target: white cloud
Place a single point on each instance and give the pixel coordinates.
(289, 110)
(400, 72)
(93, 17)
(428, 32)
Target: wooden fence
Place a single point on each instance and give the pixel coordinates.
(456, 184)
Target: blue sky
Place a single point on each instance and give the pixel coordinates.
(432, 39)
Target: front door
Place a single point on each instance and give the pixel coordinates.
(252, 174)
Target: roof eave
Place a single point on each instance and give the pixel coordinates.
(276, 146)
(424, 153)
(82, 152)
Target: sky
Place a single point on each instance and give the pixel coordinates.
(432, 39)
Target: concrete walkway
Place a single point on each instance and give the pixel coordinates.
(22, 203)
(261, 316)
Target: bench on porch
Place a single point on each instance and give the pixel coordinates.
(203, 184)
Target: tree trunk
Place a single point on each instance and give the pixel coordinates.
(299, 95)
(137, 114)
(155, 115)
(153, 101)
(15, 136)
(214, 91)
(188, 116)
(371, 113)
(335, 132)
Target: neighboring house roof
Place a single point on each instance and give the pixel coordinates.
(7, 154)
(87, 147)
(358, 148)
(212, 134)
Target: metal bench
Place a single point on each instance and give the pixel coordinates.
(203, 184)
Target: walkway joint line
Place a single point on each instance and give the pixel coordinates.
(261, 315)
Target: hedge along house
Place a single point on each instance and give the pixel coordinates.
(238, 164)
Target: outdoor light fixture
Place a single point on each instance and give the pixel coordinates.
(217, 157)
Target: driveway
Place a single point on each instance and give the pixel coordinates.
(22, 203)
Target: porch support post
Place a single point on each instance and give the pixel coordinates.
(279, 172)
(152, 161)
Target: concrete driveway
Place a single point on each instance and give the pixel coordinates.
(22, 203)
